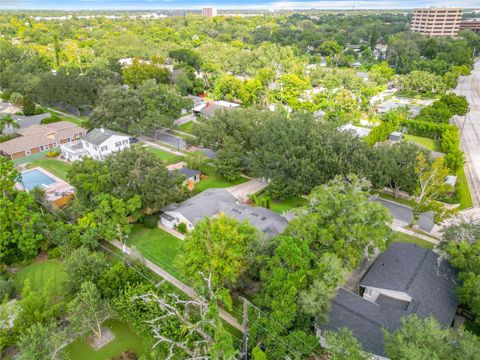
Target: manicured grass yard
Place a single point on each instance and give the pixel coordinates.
(399, 200)
(212, 180)
(157, 246)
(423, 141)
(165, 156)
(69, 118)
(281, 206)
(125, 339)
(405, 238)
(187, 127)
(56, 167)
(46, 276)
(463, 190)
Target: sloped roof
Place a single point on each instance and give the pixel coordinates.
(188, 173)
(214, 201)
(40, 135)
(406, 268)
(98, 136)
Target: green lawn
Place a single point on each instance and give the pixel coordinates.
(165, 156)
(399, 200)
(213, 180)
(187, 127)
(463, 190)
(405, 238)
(56, 167)
(46, 276)
(125, 339)
(281, 206)
(157, 246)
(427, 143)
(69, 118)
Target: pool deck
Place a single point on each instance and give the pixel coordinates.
(54, 191)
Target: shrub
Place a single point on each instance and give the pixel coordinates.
(150, 221)
(6, 95)
(7, 137)
(457, 104)
(7, 289)
(28, 105)
(39, 110)
(182, 228)
(55, 253)
(53, 153)
(52, 119)
(425, 129)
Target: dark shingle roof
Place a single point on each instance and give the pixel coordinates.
(406, 268)
(213, 201)
(98, 136)
(188, 173)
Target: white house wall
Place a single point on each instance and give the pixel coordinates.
(179, 218)
(96, 152)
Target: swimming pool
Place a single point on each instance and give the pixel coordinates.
(36, 178)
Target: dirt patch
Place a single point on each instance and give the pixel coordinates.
(97, 343)
(42, 256)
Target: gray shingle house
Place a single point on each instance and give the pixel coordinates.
(213, 202)
(404, 280)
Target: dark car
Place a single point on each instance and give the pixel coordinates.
(133, 140)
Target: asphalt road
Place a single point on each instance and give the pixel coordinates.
(175, 141)
(470, 130)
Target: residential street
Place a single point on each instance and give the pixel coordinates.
(470, 130)
(175, 141)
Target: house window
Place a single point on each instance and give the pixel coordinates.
(104, 148)
(28, 152)
(118, 143)
(69, 140)
(125, 142)
(95, 148)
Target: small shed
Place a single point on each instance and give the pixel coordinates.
(395, 136)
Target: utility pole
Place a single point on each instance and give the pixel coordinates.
(245, 329)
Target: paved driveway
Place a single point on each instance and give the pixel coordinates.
(403, 215)
(470, 130)
(242, 191)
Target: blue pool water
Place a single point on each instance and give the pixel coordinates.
(34, 178)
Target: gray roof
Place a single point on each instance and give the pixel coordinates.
(209, 153)
(406, 268)
(188, 173)
(197, 100)
(214, 201)
(210, 108)
(26, 121)
(98, 136)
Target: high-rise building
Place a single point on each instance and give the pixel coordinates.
(436, 21)
(209, 12)
(472, 24)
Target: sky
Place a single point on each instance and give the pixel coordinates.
(230, 4)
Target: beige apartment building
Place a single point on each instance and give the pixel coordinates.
(209, 12)
(437, 21)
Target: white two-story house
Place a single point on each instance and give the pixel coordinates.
(97, 144)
